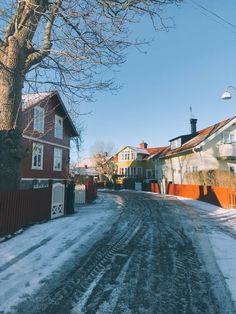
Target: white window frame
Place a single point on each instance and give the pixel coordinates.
(175, 143)
(228, 137)
(38, 125)
(34, 153)
(55, 159)
(57, 119)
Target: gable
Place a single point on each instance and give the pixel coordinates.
(52, 102)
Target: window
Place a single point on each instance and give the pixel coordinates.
(127, 155)
(39, 119)
(232, 167)
(175, 144)
(148, 173)
(228, 137)
(57, 162)
(139, 171)
(58, 132)
(37, 156)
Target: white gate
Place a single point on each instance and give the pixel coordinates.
(138, 186)
(58, 196)
(80, 194)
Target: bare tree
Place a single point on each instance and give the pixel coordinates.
(101, 147)
(105, 165)
(67, 44)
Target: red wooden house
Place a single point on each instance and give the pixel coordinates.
(47, 130)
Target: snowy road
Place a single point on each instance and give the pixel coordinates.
(129, 253)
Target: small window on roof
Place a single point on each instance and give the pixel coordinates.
(175, 143)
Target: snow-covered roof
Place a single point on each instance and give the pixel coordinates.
(88, 161)
(31, 99)
(136, 149)
(139, 150)
(86, 171)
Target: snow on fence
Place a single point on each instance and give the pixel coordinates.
(80, 194)
(22, 208)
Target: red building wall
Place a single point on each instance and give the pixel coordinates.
(52, 107)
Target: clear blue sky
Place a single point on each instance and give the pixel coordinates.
(191, 64)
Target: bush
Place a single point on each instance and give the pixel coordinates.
(221, 178)
(129, 183)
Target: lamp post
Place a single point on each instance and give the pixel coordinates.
(227, 95)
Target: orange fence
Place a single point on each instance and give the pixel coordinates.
(219, 196)
(154, 187)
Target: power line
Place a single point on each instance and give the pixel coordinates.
(219, 18)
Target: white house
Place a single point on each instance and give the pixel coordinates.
(211, 148)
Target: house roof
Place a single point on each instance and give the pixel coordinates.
(33, 99)
(86, 171)
(88, 162)
(149, 152)
(200, 137)
(142, 151)
(154, 152)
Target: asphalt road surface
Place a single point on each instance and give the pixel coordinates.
(155, 258)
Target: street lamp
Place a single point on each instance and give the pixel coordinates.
(226, 95)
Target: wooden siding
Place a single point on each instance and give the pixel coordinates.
(48, 156)
(51, 107)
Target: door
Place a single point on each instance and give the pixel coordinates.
(58, 197)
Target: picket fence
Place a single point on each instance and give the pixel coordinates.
(80, 194)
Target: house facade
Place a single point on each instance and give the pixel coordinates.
(136, 162)
(47, 130)
(208, 149)
(86, 169)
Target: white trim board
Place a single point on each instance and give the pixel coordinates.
(35, 139)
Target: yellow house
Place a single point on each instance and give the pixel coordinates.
(137, 162)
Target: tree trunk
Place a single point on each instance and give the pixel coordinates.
(11, 151)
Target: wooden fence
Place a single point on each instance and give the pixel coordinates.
(91, 191)
(219, 196)
(22, 208)
(80, 194)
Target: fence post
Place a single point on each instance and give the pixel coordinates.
(70, 197)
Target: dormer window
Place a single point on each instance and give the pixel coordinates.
(58, 132)
(175, 143)
(39, 119)
(228, 137)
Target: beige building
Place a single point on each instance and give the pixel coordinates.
(211, 148)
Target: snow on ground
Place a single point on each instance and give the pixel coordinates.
(29, 258)
(223, 242)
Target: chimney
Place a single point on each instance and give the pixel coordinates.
(193, 123)
(143, 145)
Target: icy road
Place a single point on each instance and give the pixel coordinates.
(128, 253)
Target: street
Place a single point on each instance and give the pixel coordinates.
(155, 257)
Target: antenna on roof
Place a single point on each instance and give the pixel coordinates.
(191, 112)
